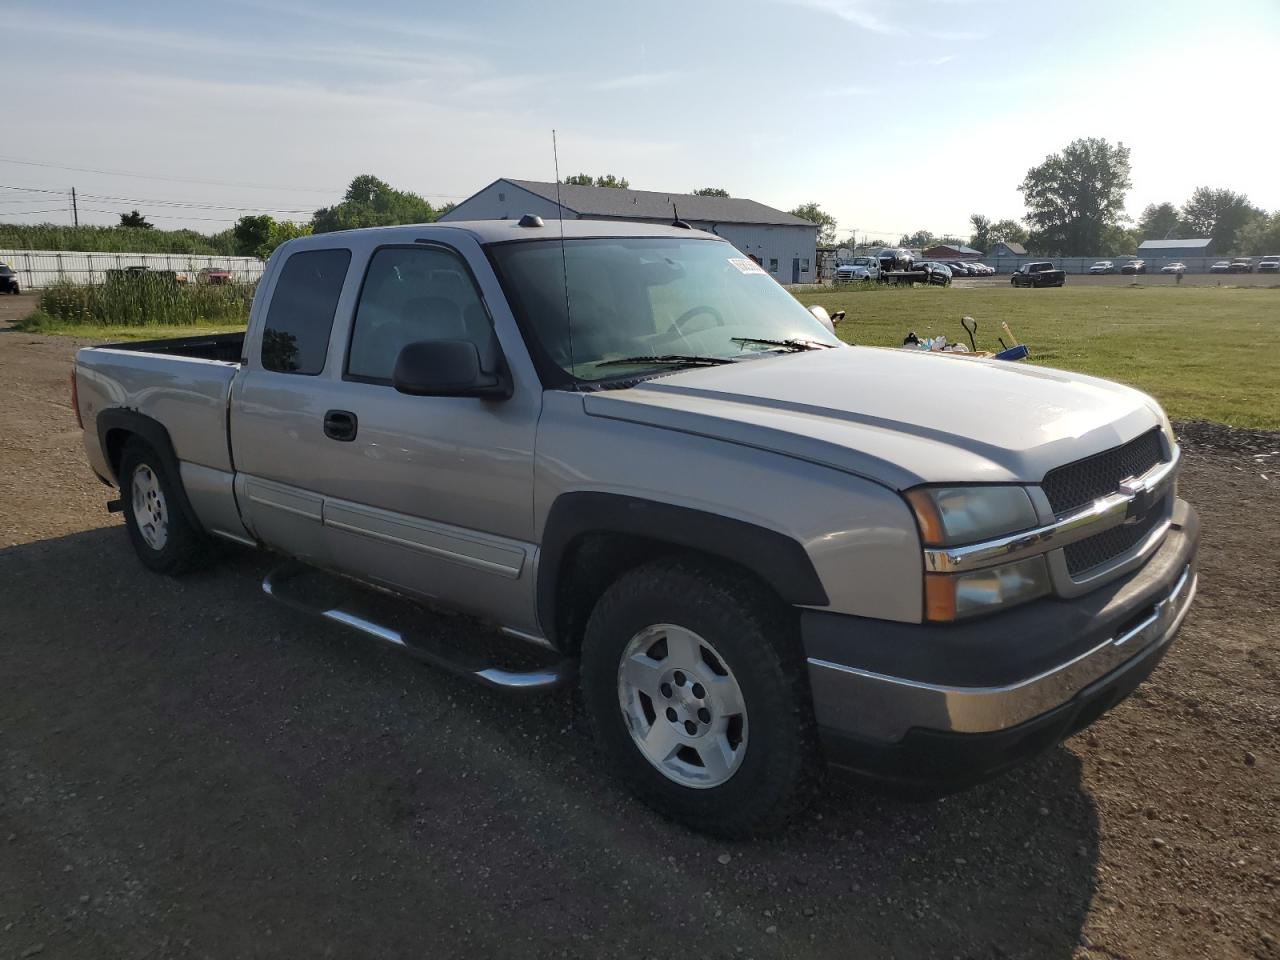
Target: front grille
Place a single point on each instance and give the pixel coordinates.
(1084, 481)
(1083, 555)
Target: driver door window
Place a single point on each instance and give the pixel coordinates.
(411, 294)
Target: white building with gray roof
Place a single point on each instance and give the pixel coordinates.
(784, 244)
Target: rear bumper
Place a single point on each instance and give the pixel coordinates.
(946, 706)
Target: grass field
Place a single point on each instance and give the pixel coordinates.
(1204, 352)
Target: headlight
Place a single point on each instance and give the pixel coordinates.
(953, 515)
(950, 516)
(952, 596)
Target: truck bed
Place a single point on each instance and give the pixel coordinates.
(227, 347)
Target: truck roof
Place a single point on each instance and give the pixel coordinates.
(503, 231)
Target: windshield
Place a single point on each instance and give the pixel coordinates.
(647, 297)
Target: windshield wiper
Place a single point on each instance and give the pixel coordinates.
(793, 344)
(688, 360)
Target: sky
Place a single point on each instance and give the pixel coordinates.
(894, 117)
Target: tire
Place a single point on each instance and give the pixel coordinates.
(744, 641)
(162, 536)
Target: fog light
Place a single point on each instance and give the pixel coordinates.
(954, 596)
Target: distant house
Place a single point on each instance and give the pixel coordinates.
(1007, 248)
(947, 251)
(1175, 249)
(784, 244)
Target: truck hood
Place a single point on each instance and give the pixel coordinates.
(898, 417)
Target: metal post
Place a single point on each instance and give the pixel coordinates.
(75, 210)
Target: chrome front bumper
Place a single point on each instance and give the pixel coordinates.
(884, 708)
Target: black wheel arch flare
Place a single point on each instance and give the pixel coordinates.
(777, 559)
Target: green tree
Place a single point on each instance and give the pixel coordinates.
(608, 180)
(921, 239)
(1260, 236)
(825, 221)
(1075, 195)
(1119, 241)
(370, 202)
(135, 221)
(1219, 214)
(710, 192)
(980, 239)
(1160, 221)
(1008, 231)
(251, 233)
(281, 231)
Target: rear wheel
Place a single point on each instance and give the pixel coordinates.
(162, 536)
(694, 684)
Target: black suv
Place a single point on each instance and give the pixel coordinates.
(8, 280)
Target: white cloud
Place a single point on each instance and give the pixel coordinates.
(857, 12)
(927, 61)
(637, 81)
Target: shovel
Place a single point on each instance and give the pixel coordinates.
(971, 327)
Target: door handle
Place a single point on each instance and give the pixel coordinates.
(340, 425)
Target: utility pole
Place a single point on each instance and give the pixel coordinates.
(75, 210)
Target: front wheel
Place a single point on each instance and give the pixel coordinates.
(694, 684)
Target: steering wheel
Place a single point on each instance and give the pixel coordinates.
(677, 325)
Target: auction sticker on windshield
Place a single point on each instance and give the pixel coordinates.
(747, 265)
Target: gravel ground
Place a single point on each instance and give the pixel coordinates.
(188, 770)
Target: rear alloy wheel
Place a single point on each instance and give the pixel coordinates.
(162, 536)
(695, 684)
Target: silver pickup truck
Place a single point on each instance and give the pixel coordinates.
(757, 551)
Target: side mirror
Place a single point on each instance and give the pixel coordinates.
(819, 312)
(448, 368)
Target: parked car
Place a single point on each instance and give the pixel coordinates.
(984, 270)
(961, 269)
(858, 270)
(938, 273)
(139, 273)
(1269, 264)
(1174, 268)
(1222, 266)
(1134, 266)
(213, 275)
(1103, 266)
(1241, 265)
(1041, 274)
(752, 547)
(8, 280)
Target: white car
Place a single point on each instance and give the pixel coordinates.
(858, 270)
(1174, 268)
(1103, 266)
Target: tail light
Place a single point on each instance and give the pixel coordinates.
(75, 399)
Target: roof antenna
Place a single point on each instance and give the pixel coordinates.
(564, 260)
(677, 222)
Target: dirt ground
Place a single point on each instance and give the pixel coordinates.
(189, 770)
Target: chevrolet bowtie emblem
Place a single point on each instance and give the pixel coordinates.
(1141, 502)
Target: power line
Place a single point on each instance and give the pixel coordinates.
(149, 176)
(32, 213)
(198, 205)
(162, 216)
(216, 183)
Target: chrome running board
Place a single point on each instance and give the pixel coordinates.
(281, 584)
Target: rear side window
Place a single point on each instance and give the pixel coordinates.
(296, 336)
